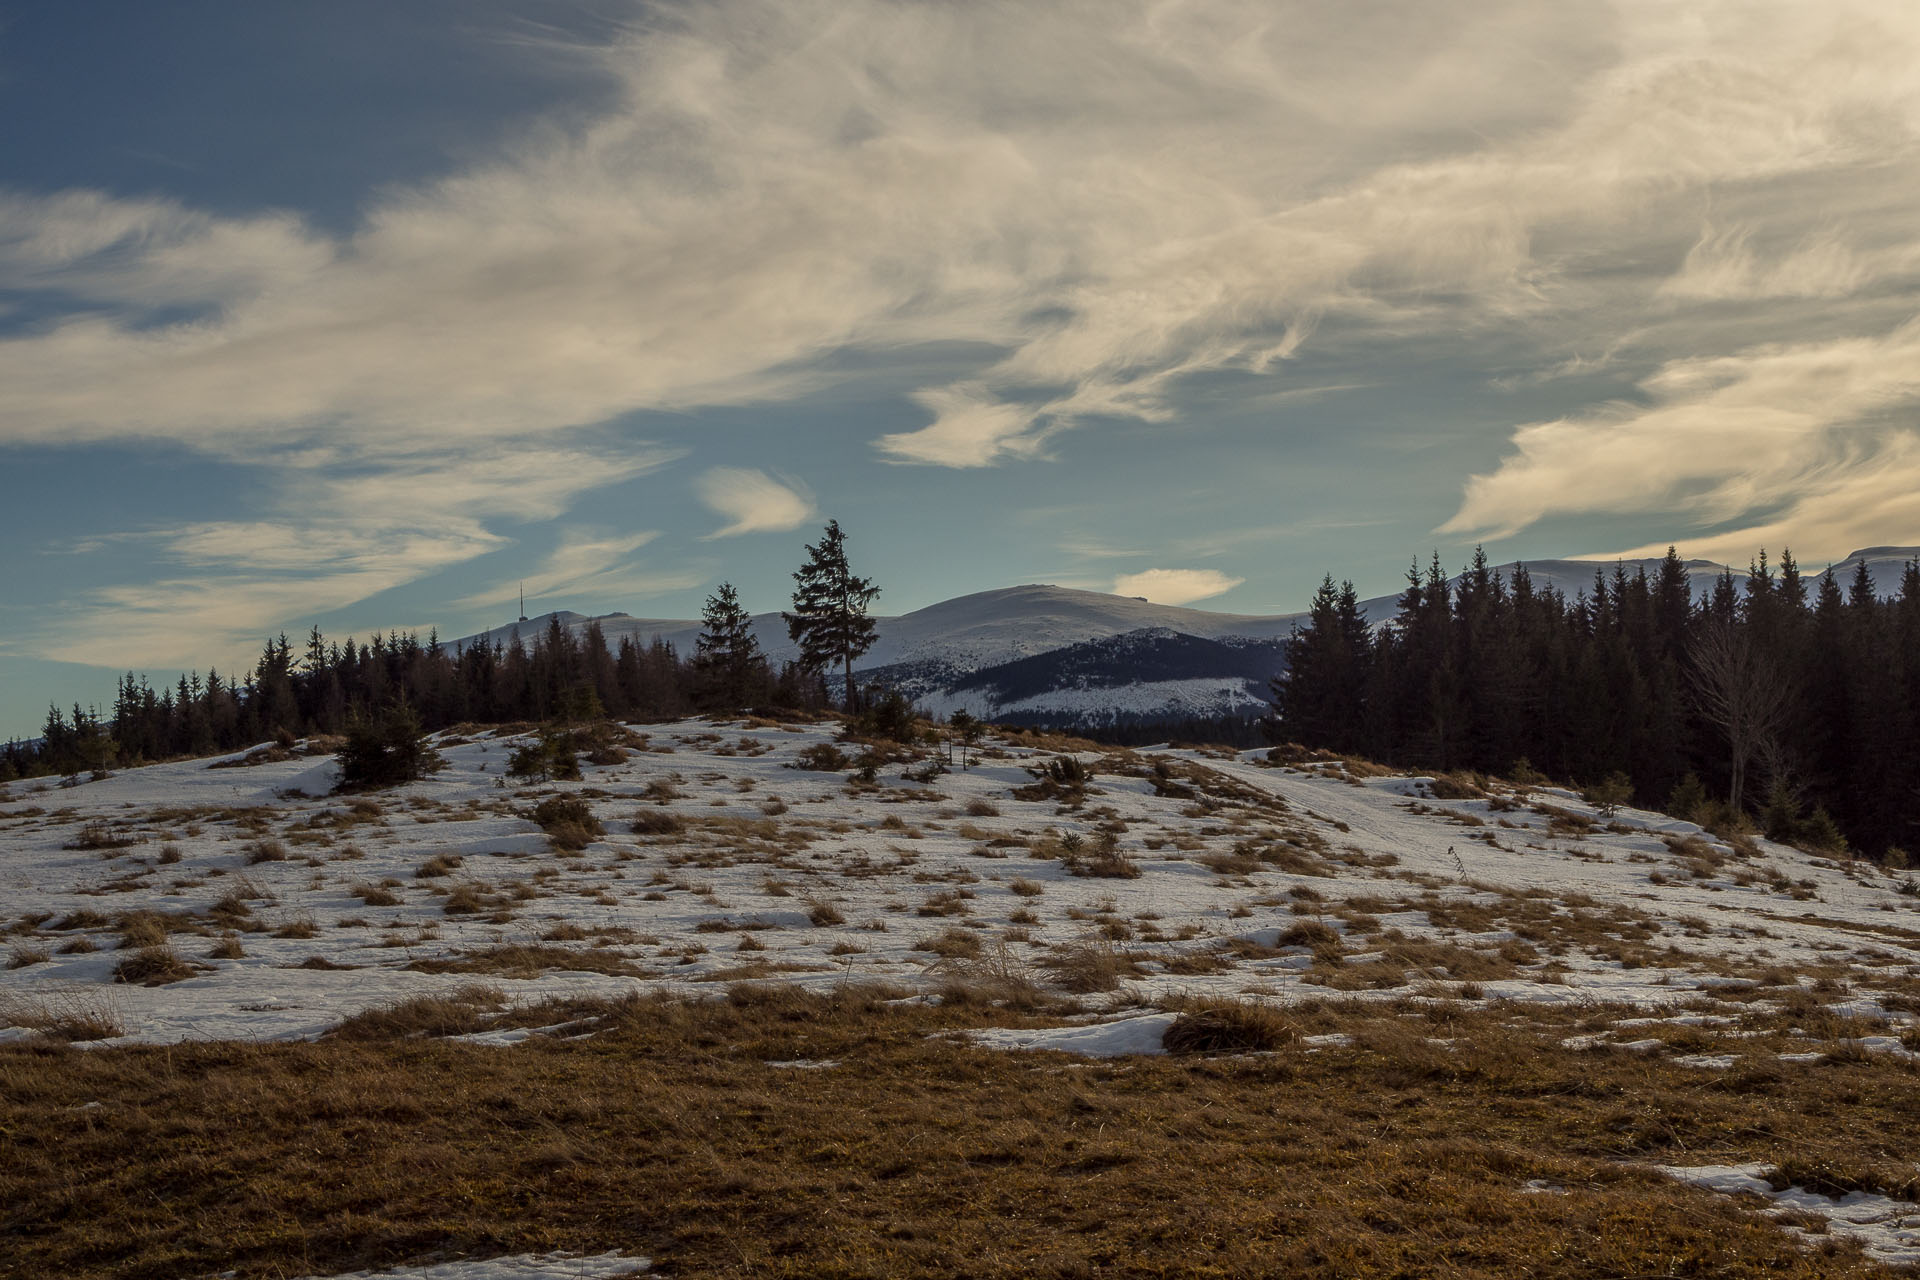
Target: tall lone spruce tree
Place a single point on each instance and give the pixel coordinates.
(829, 620)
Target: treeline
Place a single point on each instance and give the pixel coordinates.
(553, 674)
(1795, 700)
(397, 680)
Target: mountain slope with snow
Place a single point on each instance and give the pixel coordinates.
(932, 654)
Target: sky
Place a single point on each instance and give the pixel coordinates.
(362, 315)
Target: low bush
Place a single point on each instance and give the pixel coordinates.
(385, 751)
(552, 755)
(655, 822)
(568, 822)
(822, 757)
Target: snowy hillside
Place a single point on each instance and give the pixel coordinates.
(265, 909)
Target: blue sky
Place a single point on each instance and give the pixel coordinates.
(360, 314)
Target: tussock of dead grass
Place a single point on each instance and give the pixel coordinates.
(152, 967)
(1229, 1026)
(530, 960)
(1393, 1155)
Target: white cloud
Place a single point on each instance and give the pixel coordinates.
(344, 537)
(1114, 194)
(589, 570)
(753, 501)
(1175, 586)
(1108, 197)
(1808, 429)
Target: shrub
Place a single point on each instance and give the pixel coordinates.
(1236, 1026)
(266, 851)
(98, 834)
(1067, 771)
(822, 757)
(952, 944)
(552, 756)
(888, 715)
(1525, 777)
(1310, 933)
(1610, 795)
(568, 822)
(654, 822)
(1089, 968)
(386, 751)
(1456, 786)
(1688, 802)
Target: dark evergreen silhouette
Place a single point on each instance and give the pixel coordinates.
(728, 667)
(1756, 694)
(829, 620)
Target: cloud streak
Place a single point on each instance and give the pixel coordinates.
(1810, 430)
(1175, 586)
(753, 501)
(343, 537)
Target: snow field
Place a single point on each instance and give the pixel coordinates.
(721, 861)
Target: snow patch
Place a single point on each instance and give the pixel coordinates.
(1118, 1038)
(1887, 1229)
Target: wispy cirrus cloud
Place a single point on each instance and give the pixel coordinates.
(1800, 443)
(589, 565)
(1175, 586)
(1104, 200)
(753, 501)
(338, 538)
(1116, 196)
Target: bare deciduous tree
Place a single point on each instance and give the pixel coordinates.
(1738, 688)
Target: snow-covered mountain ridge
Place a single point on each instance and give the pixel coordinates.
(1105, 643)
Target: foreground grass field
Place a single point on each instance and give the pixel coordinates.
(776, 1133)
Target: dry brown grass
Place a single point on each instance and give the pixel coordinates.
(530, 960)
(152, 967)
(1393, 1156)
(1229, 1026)
(376, 895)
(23, 955)
(465, 1010)
(568, 822)
(63, 1016)
(1089, 968)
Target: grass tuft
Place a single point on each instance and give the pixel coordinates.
(1237, 1026)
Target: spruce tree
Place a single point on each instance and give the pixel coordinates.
(829, 620)
(726, 659)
